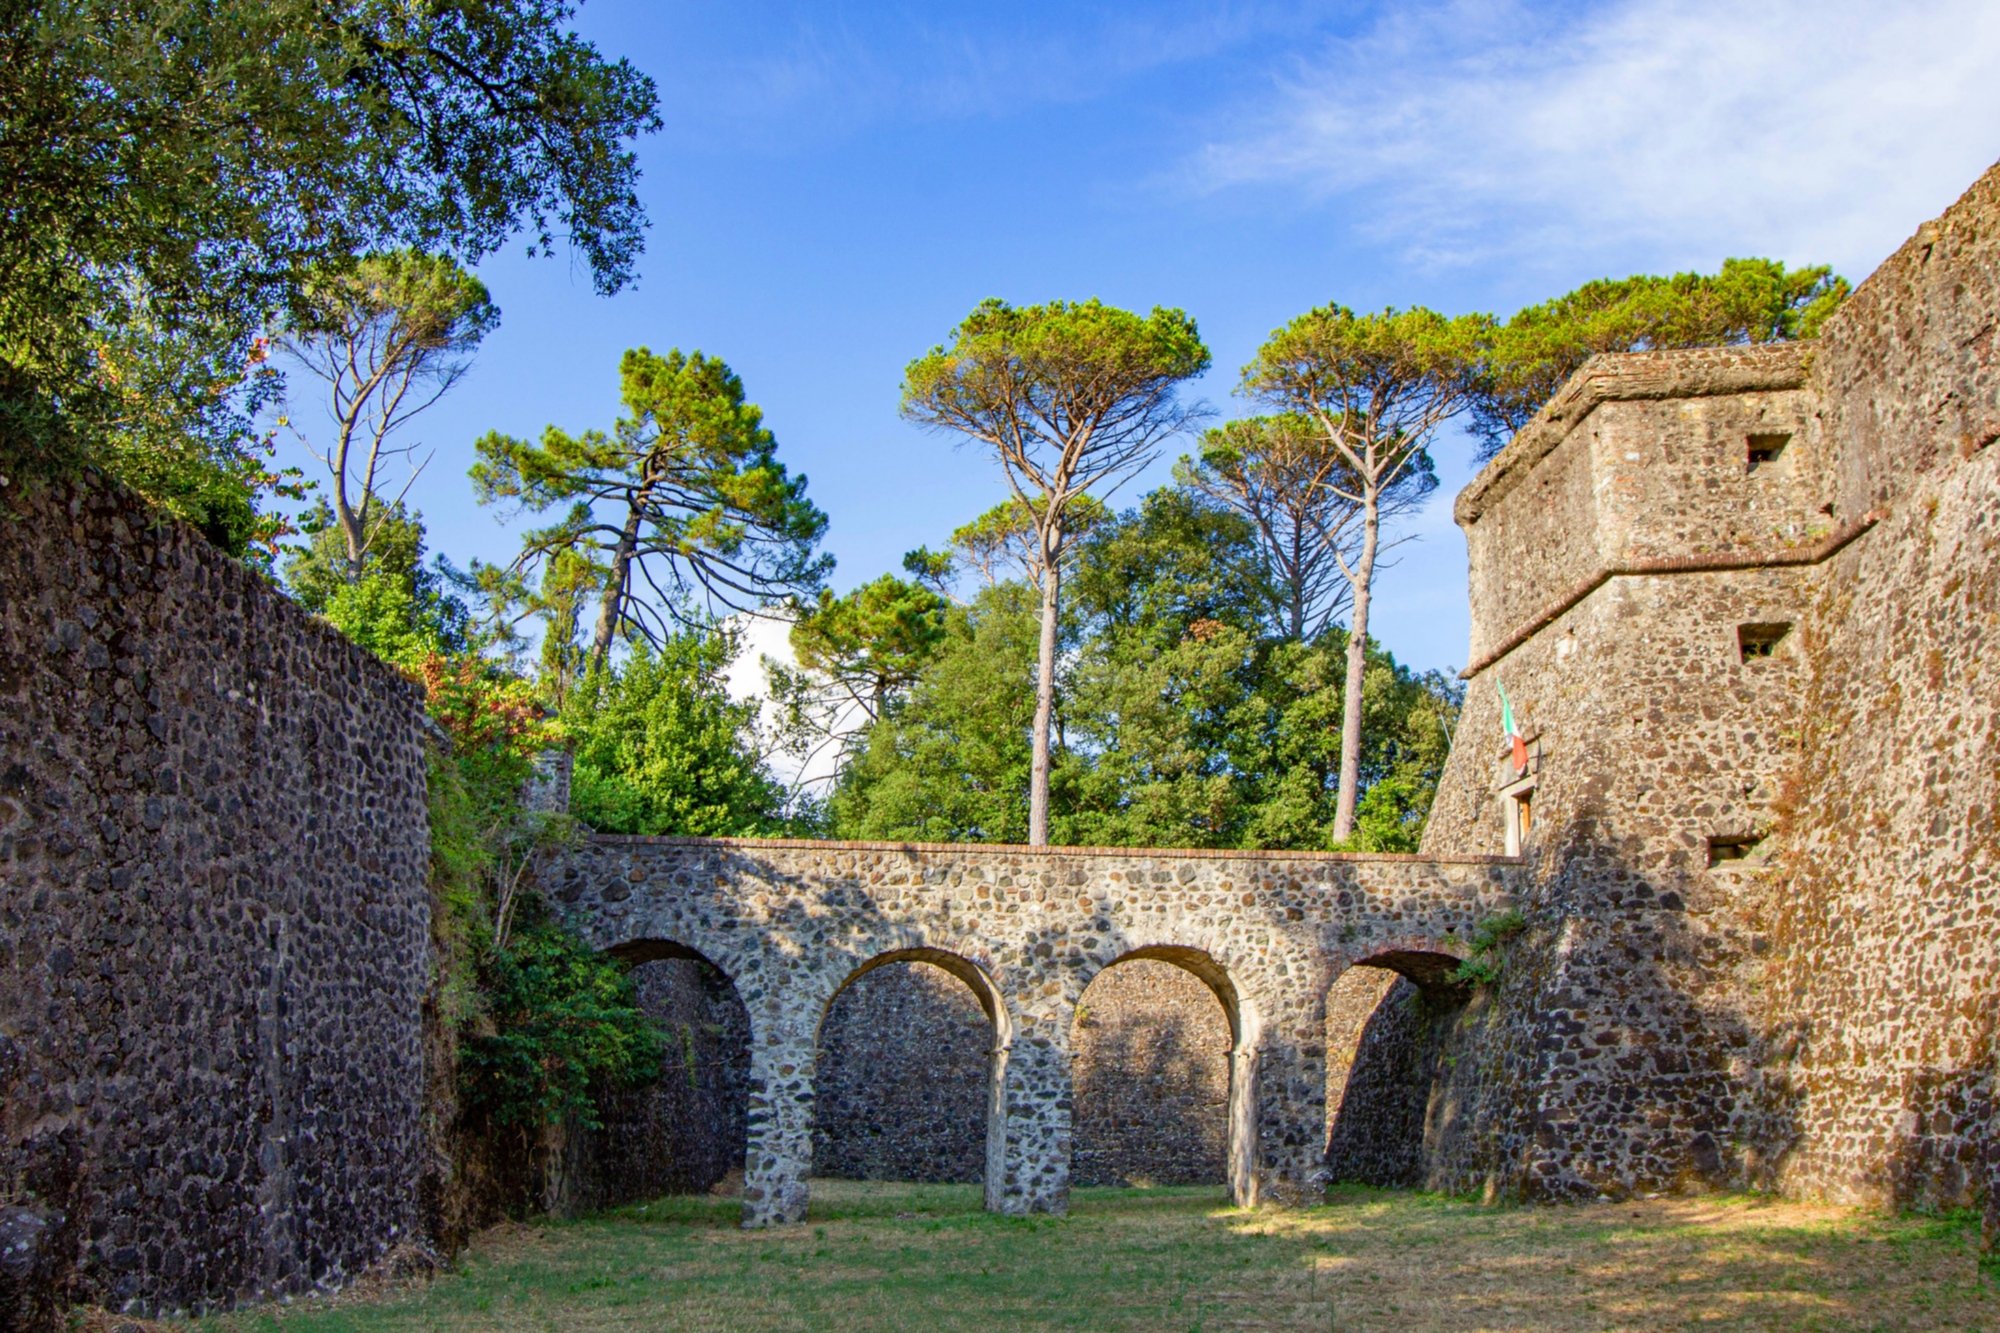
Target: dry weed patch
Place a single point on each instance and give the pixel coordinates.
(923, 1257)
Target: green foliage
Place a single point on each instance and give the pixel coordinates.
(1749, 301)
(686, 491)
(1388, 378)
(399, 609)
(172, 174)
(1481, 966)
(563, 1025)
(1302, 501)
(660, 749)
(874, 640)
(1045, 370)
(949, 761)
(1184, 716)
(1004, 542)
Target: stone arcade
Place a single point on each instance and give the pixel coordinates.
(1745, 600)
(791, 923)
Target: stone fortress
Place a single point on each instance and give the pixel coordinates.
(1744, 601)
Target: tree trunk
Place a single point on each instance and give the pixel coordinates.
(1045, 703)
(353, 530)
(1357, 667)
(609, 614)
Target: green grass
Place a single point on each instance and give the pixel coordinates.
(915, 1257)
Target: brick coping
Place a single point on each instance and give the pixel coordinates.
(1021, 849)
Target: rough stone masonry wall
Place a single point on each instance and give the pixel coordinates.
(1819, 1017)
(1884, 972)
(213, 922)
(1608, 1061)
(901, 1077)
(1151, 1051)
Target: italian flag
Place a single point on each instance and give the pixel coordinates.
(1512, 732)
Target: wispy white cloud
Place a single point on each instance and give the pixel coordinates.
(831, 69)
(1681, 129)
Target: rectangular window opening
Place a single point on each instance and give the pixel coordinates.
(1755, 641)
(1520, 820)
(1766, 449)
(1721, 851)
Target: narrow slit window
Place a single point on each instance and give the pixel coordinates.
(1766, 449)
(1722, 851)
(1759, 641)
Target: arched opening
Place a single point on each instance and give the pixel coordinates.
(684, 1134)
(906, 1080)
(1391, 1020)
(1150, 1050)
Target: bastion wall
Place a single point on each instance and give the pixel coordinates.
(214, 930)
(1744, 602)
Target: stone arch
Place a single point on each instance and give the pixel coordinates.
(687, 1132)
(1227, 1081)
(842, 1097)
(1391, 1016)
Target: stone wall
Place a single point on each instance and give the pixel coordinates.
(901, 1074)
(683, 1134)
(1883, 977)
(1152, 1079)
(1762, 898)
(214, 928)
(1028, 930)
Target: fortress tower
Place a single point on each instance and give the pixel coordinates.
(1745, 604)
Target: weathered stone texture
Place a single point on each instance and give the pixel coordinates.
(1382, 1130)
(1884, 979)
(900, 1075)
(1818, 1016)
(683, 1134)
(1151, 1064)
(214, 929)
(791, 923)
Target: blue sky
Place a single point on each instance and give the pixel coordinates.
(838, 183)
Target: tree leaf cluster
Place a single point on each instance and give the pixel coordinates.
(660, 748)
(171, 175)
(682, 506)
(1184, 715)
(1747, 301)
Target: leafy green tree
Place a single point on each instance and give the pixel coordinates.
(950, 759)
(1749, 301)
(1005, 541)
(850, 654)
(388, 336)
(400, 609)
(686, 493)
(1376, 388)
(1069, 397)
(562, 1023)
(1294, 492)
(171, 175)
(1183, 715)
(661, 749)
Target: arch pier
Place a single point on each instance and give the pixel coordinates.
(793, 923)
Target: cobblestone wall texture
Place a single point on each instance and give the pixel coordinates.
(791, 923)
(901, 1079)
(214, 931)
(1151, 1067)
(1817, 1015)
(683, 1134)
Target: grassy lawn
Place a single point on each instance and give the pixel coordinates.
(916, 1257)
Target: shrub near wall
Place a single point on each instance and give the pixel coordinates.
(213, 923)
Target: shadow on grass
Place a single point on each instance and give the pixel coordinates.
(878, 1256)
